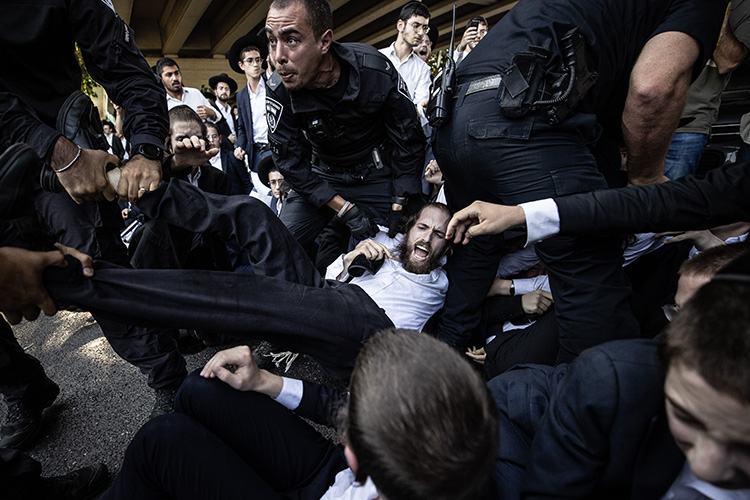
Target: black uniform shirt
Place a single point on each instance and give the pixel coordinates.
(375, 107)
(615, 30)
(40, 70)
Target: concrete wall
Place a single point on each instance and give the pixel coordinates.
(197, 71)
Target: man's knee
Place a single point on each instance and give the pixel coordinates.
(194, 393)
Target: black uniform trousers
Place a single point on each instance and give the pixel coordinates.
(369, 189)
(286, 301)
(223, 443)
(93, 228)
(486, 156)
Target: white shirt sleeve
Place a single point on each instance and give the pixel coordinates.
(528, 285)
(542, 220)
(291, 393)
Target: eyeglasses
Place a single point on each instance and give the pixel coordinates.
(253, 60)
(213, 137)
(420, 28)
(670, 311)
(275, 182)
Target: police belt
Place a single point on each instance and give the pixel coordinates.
(366, 164)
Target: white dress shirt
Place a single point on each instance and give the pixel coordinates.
(408, 299)
(215, 162)
(227, 114)
(190, 96)
(344, 487)
(416, 73)
(258, 109)
(688, 487)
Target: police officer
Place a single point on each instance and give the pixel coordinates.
(532, 99)
(40, 73)
(342, 128)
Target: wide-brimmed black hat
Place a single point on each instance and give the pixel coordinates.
(214, 81)
(433, 35)
(234, 53)
(264, 167)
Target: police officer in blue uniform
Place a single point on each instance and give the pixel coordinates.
(342, 128)
(552, 80)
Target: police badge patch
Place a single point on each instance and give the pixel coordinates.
(273, 113)
(403, 88)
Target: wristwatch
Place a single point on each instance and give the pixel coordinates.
(148, 151)
(512, 288)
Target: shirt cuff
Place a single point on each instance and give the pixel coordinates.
(291, 393)
(542, 220)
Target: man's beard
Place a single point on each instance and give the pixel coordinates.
(406, 252)
(222, 98)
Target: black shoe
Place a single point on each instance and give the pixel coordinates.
(24, 418)
(78, 120)
(81, 484)
(19, 222)
(164, 402)
(188, 342)
(19, 166)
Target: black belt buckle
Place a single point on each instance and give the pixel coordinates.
(261, 147)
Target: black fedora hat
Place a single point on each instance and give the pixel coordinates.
(264, 167)
(433, 35)
(234, 52)
(214, 81)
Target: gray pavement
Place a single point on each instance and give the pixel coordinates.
(103, 400)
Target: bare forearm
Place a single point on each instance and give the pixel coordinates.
(657, 92)
(648, 127)
(729, 52)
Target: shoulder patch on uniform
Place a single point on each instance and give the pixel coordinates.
(378, 62)
(403, 88)
(274, 109)
(274, 81)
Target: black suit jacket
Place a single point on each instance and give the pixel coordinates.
(689, 202)
(593, 429)
(237, 172)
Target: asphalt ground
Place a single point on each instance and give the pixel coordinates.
(103, 399)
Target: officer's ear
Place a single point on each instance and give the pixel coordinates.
(400, 25)
(325, 41)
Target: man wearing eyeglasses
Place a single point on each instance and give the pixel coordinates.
(248, 56)
(413, 26)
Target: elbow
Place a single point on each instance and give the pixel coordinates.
(650, 95)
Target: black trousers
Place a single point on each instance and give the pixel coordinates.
(21, 375)
(19, 473)
(369, 189)
(286, 301)
(94, 228)
(486, 156)
(222, 443)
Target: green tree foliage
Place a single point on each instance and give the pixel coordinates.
(87, 83)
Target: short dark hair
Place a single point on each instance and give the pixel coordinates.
(412, 219)
(419, 419)
(412, 9)
(711, 335)
(477, 18)
(111, 125)
(318, 13)
(163, 63)
(182, 114)
(248, 49)
(708, 262)
(213, 126)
